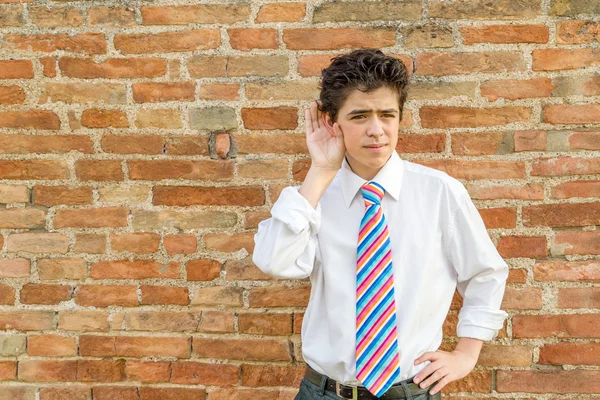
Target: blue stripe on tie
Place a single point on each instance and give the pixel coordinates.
(376, 284)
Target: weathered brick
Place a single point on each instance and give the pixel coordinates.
(115, 68)
(267, 144)
(51, 346)
(562, 215)
(89, 243)
(165, 219)
(219, 91)
(567, 190)
(202, 269)
(65, 393)
(570, 353)
(230, 243)
(570, 271)
(517, 89)
(565, 166)
(556, 381)
(210, 170)
(560, 326)
(281, 12)
(522, 299)
(204, 66)
(197, 373)
(83, 93)
(55, 17)
(83, 320)
(523, 246)
(168, 42)
(337, 38)
(165, 295)
(32, 119)
(247, 39)
(577, 31)
(505, 34)
(83, 43)
(104, 296)
(222, 296)
(179, 393)
(99, 118)
(12, 95)
(27, 320)
(223, 196)
(177, 321)
(279, 296)
(99, 170)
(255, 375)
(573, 7)
(12, 16)
(216, 322)
(137, 269)
(62, 195)
(111, 16)
(563, 59)
(225, 14)
(213, 118)
(482, 9)
(158, 118)
(101, 217)
(500, 217)
(574, 242)
(284, 91)
(572, 113)
(47, 370)
(35, 293)
(38, 243)
(473, 170)
(14, 194)
(147, 371)
(409, 10)
(242, 349)
(100, 370)
(270, 118)
(441, 117)
(157, 92)
(54, 144)
(453, 63)
(183, 243)
(265, 323)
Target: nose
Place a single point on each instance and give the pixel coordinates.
(375, 127)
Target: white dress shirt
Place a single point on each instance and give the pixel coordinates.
(439, 243)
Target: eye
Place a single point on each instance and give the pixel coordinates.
(389, 115)
(357, 116)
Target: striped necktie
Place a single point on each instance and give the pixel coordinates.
(377, 357)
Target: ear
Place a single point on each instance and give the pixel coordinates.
(327, 123)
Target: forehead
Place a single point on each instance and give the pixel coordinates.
(381, 98)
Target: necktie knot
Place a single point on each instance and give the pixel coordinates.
(372, 193)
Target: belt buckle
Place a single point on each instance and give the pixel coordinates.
(338, 391)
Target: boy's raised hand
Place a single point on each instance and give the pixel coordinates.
(325, 143)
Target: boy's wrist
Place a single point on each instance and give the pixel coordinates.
(470, 346)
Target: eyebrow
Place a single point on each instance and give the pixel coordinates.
(389, 110)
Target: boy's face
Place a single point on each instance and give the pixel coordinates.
(368, 119)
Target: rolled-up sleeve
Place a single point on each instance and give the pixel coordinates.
(286, 243)
(481, 271)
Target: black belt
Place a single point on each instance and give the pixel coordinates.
(401, 390)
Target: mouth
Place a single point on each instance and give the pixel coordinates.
(375, 146)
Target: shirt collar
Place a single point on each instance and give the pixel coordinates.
(389, 176)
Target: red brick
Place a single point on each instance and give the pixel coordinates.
(572, 113)
(242, 349)
(569, 271)
(276, 143)
(565, 166)
(230, 242)
(211, 170)
(115, 392)
(14, 268)
(65, 393)
(466, 117)
(530, 191)
(195, 14)
(548, 381)
(265, 323)
(180, 244)
(99, 118)
(173, 321)
(22, 218)
(99, 170)
(47, 370)
(51, 346)
(135, 242)
(100, 370)
(254, 375)
(279, 296)
(154, 92)
(49, 66)
(574, 242)
(12, 95)
(513, 355)
(89, 243)
(55, 17)
(156, 393)
(453, 63)
(83, 43)
(418, 143)
(148, 371)
(531, 140)
(523, 246)
(281, 12)
(475, 144)
(584, 140)
(216, 322)
(138, 269)
(517, 89)
(134, 346)
(16, 69)
(204, 66)
(522, 299)
(588, 297)
(113, 68)
(505, 34)
(203, 269)
(219, 91)
(33, 169)
(104, 296)
(197, 373)
(577, 31)
(83, 320)
(495, 218)
(338, 38)
(222, 196)
(7, 295)
(562, 215)
(62, 195)
(35, 293)
(560, 326)
(564, 59)
(165, 295)
(8, 370)
(18, 392)
(247, 39)
(167, 42)
(100, 217)
(32, 119)
(270, 118)
(570, 353)
(474, 170)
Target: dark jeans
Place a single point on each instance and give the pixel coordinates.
(310, 391)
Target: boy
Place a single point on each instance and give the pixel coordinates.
(385, 243)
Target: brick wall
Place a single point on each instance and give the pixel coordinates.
(141, 144)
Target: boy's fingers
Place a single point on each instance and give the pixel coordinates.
(316, 123)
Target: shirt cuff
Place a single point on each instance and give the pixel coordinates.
(295, 211)
(480, 323)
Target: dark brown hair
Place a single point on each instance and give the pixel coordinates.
(365, 70)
